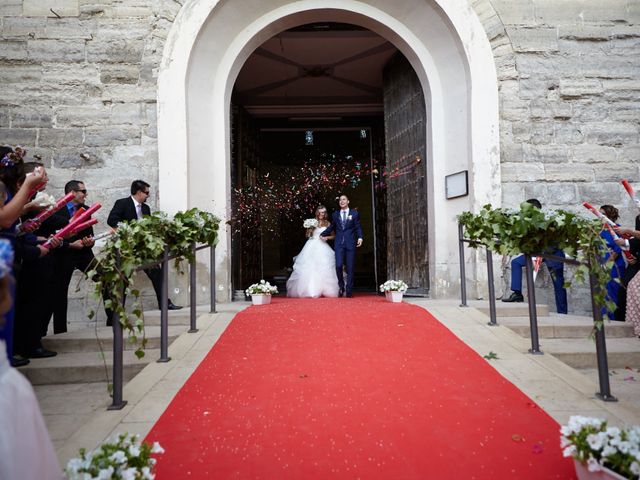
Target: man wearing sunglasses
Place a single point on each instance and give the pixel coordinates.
(75, 254)
(134, 208)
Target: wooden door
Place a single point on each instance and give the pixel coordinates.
(406, 198)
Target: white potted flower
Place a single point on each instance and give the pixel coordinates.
(600, 451)
(123, 457)
(261, 292)
(394, 290)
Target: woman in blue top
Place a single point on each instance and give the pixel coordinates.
(615, 253)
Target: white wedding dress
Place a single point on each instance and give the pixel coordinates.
(314, 270)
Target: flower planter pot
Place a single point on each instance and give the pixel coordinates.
(583, 473)
(394, 296)
(260, 298)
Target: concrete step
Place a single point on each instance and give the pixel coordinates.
(581, 352)
(95, 339)
(567, 326)
(509, 309)
(176, 317)
(84, 367)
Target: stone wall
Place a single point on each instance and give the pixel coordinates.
(570, 96)
(79, 89)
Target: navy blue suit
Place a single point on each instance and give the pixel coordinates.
(556, 271)
(347, 235)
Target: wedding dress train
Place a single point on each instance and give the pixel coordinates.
(314, 270)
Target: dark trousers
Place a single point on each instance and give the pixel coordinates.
(34, 303)
(556, 271)
(65, 264)
(345, 257)
(155, 275)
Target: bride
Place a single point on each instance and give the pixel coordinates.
(314, 269)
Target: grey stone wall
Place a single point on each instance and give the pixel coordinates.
(569, 79)
(78, 88)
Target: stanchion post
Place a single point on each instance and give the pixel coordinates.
(492, 291)
(601, 348)
(463, 276)
(118, 365)
(533, 314)
(212, 279)
(192, 290)
(164, 309)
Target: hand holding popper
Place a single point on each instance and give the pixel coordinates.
(32, 223)
(79, 222)
(610, 225)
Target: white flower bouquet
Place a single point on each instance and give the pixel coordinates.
(123, 458)
(43, 200)
(590, 441)
(264, 288)
(394, 286)
(310, 223)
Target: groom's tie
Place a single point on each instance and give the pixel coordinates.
(344, 217)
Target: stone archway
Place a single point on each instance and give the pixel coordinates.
(444, 42)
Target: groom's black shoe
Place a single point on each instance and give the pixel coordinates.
(341, 292)
(349, 295)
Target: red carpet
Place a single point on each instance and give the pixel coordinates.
(351, 388)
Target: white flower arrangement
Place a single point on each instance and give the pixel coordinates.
(394, 286)
(310, 223)
(264, 288)
(43, 200)
(591, 441)
(123, 458)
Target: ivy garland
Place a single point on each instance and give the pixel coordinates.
(534, 231)
(142, 242)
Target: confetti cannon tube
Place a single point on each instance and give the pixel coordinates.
(627, 186)
(78, 221)
(610, 225)
(42, 216)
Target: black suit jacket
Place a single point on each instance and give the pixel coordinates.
(124, 210)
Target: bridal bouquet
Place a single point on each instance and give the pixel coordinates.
(310, 223)
(590, 441)
(262, 288)
(124, 457)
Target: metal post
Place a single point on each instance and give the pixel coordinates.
(601, 348)
(164, 309)
(463, 284)
(192, 290)
(212, 279)
(533, 315)
(118, 364)
(492, 291)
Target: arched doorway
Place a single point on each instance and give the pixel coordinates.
(445, 45)
(318, 110)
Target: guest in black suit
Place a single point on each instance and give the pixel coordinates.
(35, 281)
(75, 254)
(134, 208)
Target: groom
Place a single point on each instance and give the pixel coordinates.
(346, 224)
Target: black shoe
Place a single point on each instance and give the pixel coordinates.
(42, 353)
(171, 306)
(349, 295)
(19, 361)
(341, 292)
(514, 297)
